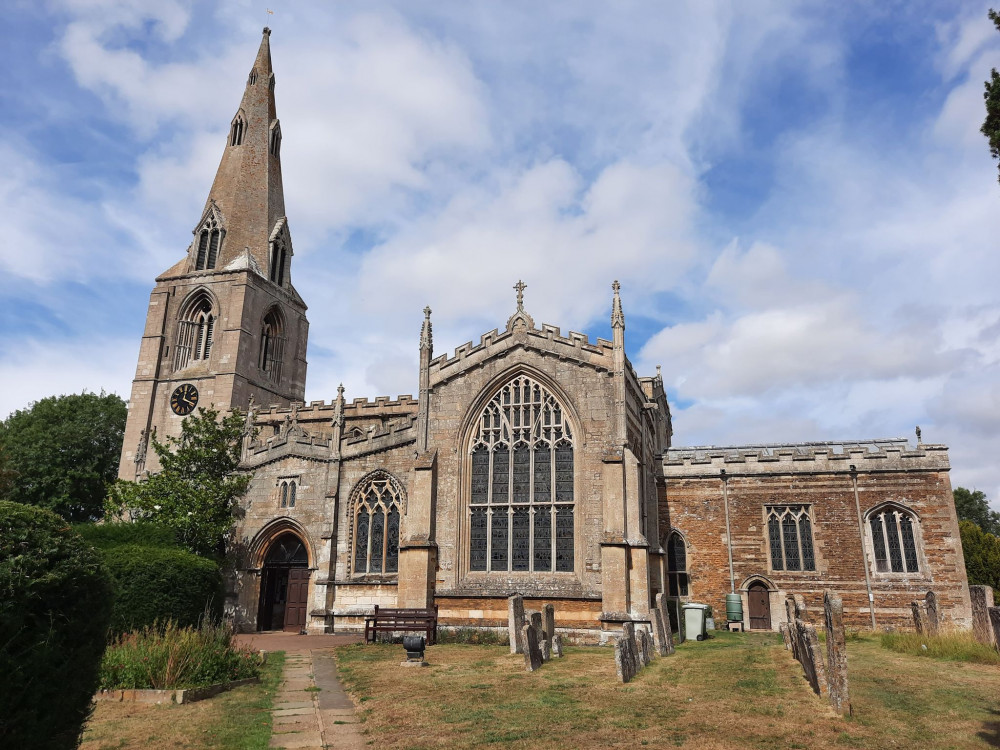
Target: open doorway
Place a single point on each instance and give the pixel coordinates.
(284, 585)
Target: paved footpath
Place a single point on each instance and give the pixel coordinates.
(310, 719)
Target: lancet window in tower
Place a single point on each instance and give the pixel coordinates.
(276, 262)
(209, 243)
(893, 538)
(237, 130)
(253, 77)
(272, 343)
(275, 140)
(376, 514)
(521, 497)
(194, 331)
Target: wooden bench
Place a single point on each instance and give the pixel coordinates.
(391, 619)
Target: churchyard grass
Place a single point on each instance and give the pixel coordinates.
(236, 720)
(735, 690)
(950, 646)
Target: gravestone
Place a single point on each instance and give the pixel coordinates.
(532, 652)
(982, 600)
(624, 666)
(919, 618)
(994, 613)
(933, 623)
(812, 658)
(557, 646)
(659, 632)
(785, 636)
(836, 654)
(535, 620)
(549, 621)
(515, 622)
(645, 648)
(668, 639)
(546, 649)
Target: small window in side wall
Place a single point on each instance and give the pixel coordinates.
(284, 494)
(287, 493)
(677, 575)
(790, 541)
(893, 541)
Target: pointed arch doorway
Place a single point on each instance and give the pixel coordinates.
(284, 585)
(759, 604)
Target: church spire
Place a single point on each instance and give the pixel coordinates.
(247, 198)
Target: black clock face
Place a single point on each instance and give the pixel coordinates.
(184, 399)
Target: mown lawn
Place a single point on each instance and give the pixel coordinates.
(236, 720)
(733, 691)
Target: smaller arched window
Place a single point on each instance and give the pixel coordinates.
(272, 344)
(275, 139)
(276, 263)
(789, 533)
(893, 540)
(677, 575)
(237, 130)
(209, 242)
(288, 493)
(194, 332)
(376, 515)
(253, 77)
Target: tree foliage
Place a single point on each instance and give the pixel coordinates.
(991, 126)
(982, 556)
(62, 453)
(971, 505)
(55, 606)
(196, 493)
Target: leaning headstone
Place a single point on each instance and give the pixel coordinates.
(812, 658)
(549, 621)
(933, 624)
(515, 622)
(800, 606)
(994, 613)
(628, 635)
(645, 648)
(836, 654)
(659, 632)
(919, 617)
(532, 652)
(624, 665)
(785, 636)
(982, 600)
(668, 638)
(535, 620)
(546, 648)
(557, 646)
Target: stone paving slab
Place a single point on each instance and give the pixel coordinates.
(301, 740)
(293, 711)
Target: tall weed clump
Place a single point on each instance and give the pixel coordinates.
(957, 646)
(167, 657)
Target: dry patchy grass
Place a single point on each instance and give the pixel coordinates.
(236, 720)
(733, 691)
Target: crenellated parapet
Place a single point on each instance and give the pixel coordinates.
(864, 456)
(277, 447)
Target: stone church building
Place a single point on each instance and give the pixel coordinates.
(532, 461)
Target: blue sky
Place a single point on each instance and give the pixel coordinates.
(795, 196)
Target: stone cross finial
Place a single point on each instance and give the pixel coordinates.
(520, 286)
(617, 316)
(918, 435)
(426, 337)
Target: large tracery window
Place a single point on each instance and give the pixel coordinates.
(377, 507)
(194, 331)
(521, 495)
(677, 576)
(893, 540)
(789, 533)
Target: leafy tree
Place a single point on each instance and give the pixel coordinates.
(971, 505)
(982, 556)
(991, 126)
(62, 453)
(196, 493)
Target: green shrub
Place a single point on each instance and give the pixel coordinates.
(959, 646)
(55, 606)
(157, 584)
(477, 636)
(105, 535)
(168, 657)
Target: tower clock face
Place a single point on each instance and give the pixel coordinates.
(184, 399)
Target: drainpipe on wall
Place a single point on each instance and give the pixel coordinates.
(729, 536)
(864, 547)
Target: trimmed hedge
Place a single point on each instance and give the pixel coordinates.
(55, 606)
(155, 580)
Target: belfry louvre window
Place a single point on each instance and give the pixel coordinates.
(275, 140)
(276, 263)
(376, 517)
(209, 242)
(521, 501)
(194, 332)
(237, 131)
(677, 576)
(893, 541)
(272, 344)
(789, 533)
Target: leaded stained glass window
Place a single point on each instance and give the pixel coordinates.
(377, 507)
(893, 541)
(521, 495)
(677, 576)
(789, 533)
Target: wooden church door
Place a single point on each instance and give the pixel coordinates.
(295, 604)
(760, 607)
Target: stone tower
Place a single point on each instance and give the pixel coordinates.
(225, 323)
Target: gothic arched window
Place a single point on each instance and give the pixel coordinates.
(376, 512)
(521, 495)
(789, 533)
(288, 493)
(238, 129)
(275, 139)
(893, 540)
(194, 331)
(677, 576)
(272, 343)
(276, 263)
(209, 242)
